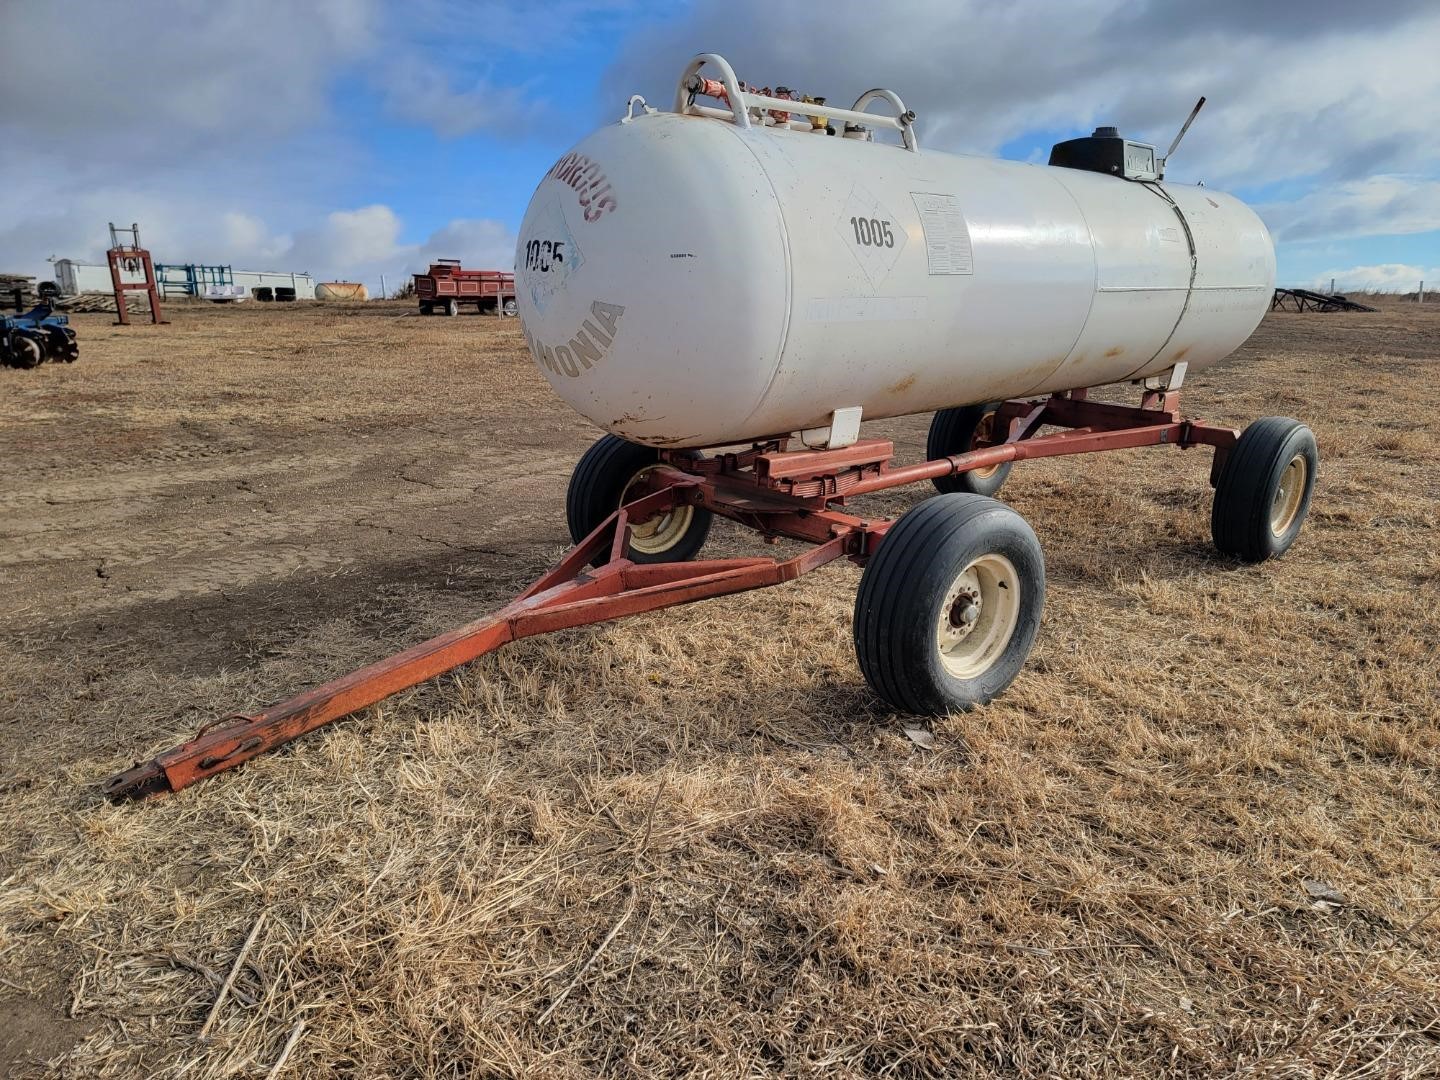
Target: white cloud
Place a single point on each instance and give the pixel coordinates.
(181, 226)
(1315, 96)
(182, 121)
(210, 125)
(348, 238)
(1383, 277)
(481, 243)
(415, 89)
(128, 91)
(1379, 205)
(356, 244)
(247, 235)
(215, 127)
(539, 29)
(362, 244)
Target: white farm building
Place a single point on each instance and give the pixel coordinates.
(181, 279)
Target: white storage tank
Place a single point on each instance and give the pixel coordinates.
(707, 276)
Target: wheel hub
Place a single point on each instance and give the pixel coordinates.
(965, 609)
(1289, 494)
(661, 532)
(984, 433)
(978, 616)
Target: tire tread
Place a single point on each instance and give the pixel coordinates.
(891, 585)
(597, 483)
(952, 432)
(1239, 514)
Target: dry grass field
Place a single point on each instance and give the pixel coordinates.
(1200, 836)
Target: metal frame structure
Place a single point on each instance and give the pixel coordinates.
(197, 277)
(1305, 300)
(778, 492)
(135, 258)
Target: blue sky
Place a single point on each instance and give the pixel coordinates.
(358, 137)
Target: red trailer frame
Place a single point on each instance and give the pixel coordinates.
(778, 492)
(446, 285)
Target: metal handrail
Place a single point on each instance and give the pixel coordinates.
(727, 76)
(741, 102)
(905, 118)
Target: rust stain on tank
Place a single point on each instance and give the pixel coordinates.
(1110, 354)
(1180, 355)
(903, 385)
(634, 418)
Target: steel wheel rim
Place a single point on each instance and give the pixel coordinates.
(978, 616)
(1289, 493)
(984, 432)
(662, 532)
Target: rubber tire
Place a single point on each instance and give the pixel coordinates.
(1240, 514)
(904, 584)
(510, 309)
(452, 308)
(951, 432)
(596, 486)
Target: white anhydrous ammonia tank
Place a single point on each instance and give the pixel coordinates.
(684, 280)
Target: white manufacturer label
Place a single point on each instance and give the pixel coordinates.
(947, 239)
(872, 233)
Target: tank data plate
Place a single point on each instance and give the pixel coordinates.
(947, 238)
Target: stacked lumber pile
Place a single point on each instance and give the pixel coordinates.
(137, 301)
(10, 282)
(93, 301)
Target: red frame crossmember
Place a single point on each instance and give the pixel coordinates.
(775, 491)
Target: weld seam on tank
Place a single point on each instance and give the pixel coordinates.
(1160, 192)
(1094, 288)
(789, 271)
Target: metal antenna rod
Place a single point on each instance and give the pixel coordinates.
(1185, 127)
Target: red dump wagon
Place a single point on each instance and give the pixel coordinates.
(446, 285)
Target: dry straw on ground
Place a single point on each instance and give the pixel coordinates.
(1198, 837)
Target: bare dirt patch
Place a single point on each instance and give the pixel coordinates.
(693, 842)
